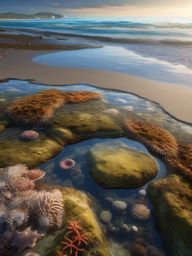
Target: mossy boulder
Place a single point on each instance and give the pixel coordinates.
(31, 153)
(77, 207)
(62, 135)
(115, 165)
(172, 200)
(86, 122)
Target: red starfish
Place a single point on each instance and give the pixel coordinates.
(69, 244)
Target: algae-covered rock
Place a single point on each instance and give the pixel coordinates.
(77, 207)
(62, 135)
(115, 165)
(31, 153)
(172, 200)
(85, 122)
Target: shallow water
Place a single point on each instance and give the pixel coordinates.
(79, 176)
(119, 59)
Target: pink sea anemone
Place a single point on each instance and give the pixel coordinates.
(29, 135)
(67, 164)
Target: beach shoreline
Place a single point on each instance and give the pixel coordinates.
(174, 99)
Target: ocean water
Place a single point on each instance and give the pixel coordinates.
(166, 41)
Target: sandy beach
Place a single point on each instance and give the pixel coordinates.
(173, 98)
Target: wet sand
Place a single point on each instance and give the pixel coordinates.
(175, 99)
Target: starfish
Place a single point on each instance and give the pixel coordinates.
(25, 239)
(69, 244)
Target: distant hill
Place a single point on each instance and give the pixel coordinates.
(39, 15)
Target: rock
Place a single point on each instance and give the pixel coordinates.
(120, 100)
(115, 165)
(29, 135)
(171, 198)
(119, 205)
(128, 108)
(32, 153)
(142, 192)
(134, 228)
(105, 216)
(125, 228)
(111, 111)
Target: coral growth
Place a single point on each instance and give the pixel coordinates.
(48, 208)
(75, 241)
(154, 137)
(38, 108)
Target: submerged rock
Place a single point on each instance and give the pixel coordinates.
(105, 216)
(115, 165)
(119, 205)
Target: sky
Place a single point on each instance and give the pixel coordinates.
(108, 8)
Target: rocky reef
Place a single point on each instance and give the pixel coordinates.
(115, 165)
(172, 200)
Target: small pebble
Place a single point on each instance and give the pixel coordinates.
(106, 216)
(111, 111)
(142, 192)
(119, 205)
(109, 199)
(134, 228)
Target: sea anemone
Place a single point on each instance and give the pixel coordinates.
(154, 137)
(29, 135)
(67, 164)
(48, 208)
(140, 212)
(19, 184)
(35, 174)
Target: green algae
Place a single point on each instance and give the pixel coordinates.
(172, 200)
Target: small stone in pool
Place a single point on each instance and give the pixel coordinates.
(109, 199)
(111, 111)
(119, 205)
(125, 228)
(67, 164)
(106, 216)
(134, 228)
(142, 192)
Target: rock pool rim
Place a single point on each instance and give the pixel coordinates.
(34, 81)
